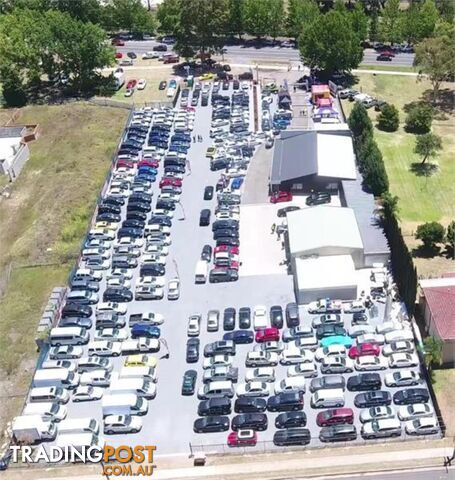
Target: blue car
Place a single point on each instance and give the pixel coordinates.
(148, 331)
(236, 183)
(147, 170)
(178, 148)
(337, 340)
(172, 84)
(240, 336)
(144, 177)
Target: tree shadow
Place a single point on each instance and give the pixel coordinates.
(423, 251)
(444, 104)
(415, 103)
(424, 169)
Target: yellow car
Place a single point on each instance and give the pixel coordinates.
(140, 361)
(206, 76)
(108, 225)
(210, 152)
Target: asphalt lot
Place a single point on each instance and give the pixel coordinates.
(169, 421)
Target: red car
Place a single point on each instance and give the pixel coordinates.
(175, 182)
(149, 163)
(190, 109)
(118, 55)
(364, 349)
(226, 248)
(227, 264)
(270, 334)
(335, 416)
(281, 197)
(131, 84)
(125, 164)
(242, 438)
(118, 42)
(388, 53)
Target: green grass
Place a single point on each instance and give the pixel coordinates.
(444, 387)
(388, 68)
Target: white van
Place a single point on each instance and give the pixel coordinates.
(291, 384)
(80, 440)
(139, 386)
(87, 274)
(49, 394)
(68, 336)
(79, 425)
(147, 373)
(124, 404)
(216, 389)
(103, 348)
(85, 297)
(48, 410)
(101, 233)
(202, 270)
(328, 398)
(55, 377)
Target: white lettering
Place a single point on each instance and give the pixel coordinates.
(15, 449)
(40, 454)
(56, 454)
(79, 454)
(26, 454)
(95, 454)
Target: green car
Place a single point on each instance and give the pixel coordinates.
(337, 340)
(189, 382)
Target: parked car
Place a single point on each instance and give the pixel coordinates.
(210, 424)
(411, 395)
(372, 399)
(189, 382)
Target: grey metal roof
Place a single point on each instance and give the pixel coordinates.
(11, 132)
(373, 237)
(294, 156)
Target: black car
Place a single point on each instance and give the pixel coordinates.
(76, 310)
(75, 322)
(364, 382)
(359, 319)
(250, 405)
(85, 284)
(373, 399)
(189, 382)
(113, 201)
(109, 208)
(318, 198)
(244, 317)
(219, 347)
(292, 315)
(225, 233)
(384, 58)
(240, 337)
(192, 350)
(162, 85)
(215, 406)
(152, 270)
(211, 424)
(324, 331)
(338, 433)
(255, 421)
(276, 316)
(208, 193)
(285, 402)
(130, 232)
(160, 220)
(165, 205)
(231, 241)
(133, 222)
(131, 55)
(117, 294)
(290, 419)
(411, 395)
(108, 217)
(206, 253)
(292, 436)
(204, 218)
(229, 319)
(138, 207)
(229, 224)
(160, 48)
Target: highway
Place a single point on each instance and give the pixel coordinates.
(248, 55)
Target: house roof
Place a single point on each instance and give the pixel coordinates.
(440, 297)
(12, 132)
(320, 89)
(318, 229)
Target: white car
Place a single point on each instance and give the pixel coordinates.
(416, 410)
(97, 264)
(227, 216)
(373, 338)
(397, 360)
(387, 327)
(129, 241)
(140, 345)
(150, 55)
(292, 356)
(370, 363)
(217, 360)
(398, 347)
(128, 92)
(173, 289)
(291, 384)
(396, 335)
(125, 273)
(86, 393)
(150, 281)
(154, 258)
(118, 192)
(359, 330)
(330, 351)
(119, 308)
(341, 364)
(65, 352)
(402, 378)
(151, 292)
(213, 320)
(194, 325)
(141, 84)
(253, 389)
(118, 282)
(160, 212)
(354, 307)
(376, 413)
(269, 347)
(261, 359)
(422, 426)
(307, 370)
(96, 378)
(261, 374)
(111, 334)
(152, 318)
(122, 424)
(259, 317)
(157, 249)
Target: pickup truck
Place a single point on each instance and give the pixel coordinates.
(149, 318)
(324, 306)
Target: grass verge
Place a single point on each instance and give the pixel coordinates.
(444, 387)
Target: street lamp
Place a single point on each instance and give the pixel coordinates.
(183, 211)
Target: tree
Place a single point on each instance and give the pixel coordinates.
(330, 43)
(388, 119)
(128, 15)
(436, 58)
(236, 23)
(428, 16)
(276, 16)
(168, 16)
(419, 119)
(430, 233)
(433, 352)
(300, 13)
(359, 22)
(389, 204)
(446, 9)
(427, 145)
(257, 17)
(359, 121)
(410, 23)
(374, 27)
(374, 172)
(450, 236)
(390, 25)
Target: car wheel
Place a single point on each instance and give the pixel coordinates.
(134, 431)
(109, 432)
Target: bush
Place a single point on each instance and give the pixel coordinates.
(419, 119)
(450, 236)
(359, 122)
(430, 233)
(375, 175)
(388, 119)
(14, 93)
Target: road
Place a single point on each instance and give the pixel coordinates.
(246, 55)
(437, 473)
